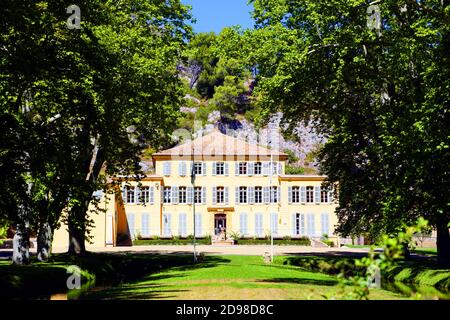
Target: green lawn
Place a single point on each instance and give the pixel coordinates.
(173, 276)
(232, 277)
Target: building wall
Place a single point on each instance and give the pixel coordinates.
(149, 220)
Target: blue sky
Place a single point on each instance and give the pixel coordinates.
(214, 15)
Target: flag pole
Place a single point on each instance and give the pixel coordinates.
(271, 201)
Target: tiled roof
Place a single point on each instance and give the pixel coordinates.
(219, 144)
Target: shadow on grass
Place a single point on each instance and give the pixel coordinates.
(315, 282)
(146, 286)
(41, 280)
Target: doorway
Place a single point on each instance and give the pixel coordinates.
(220, 224)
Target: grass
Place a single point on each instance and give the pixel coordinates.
(173, 276)
(285, 242)
(41, 280)
(231, 277)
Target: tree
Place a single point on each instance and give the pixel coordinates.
(82, 104)
(378, 92)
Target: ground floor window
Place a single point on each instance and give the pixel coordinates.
(298, 224)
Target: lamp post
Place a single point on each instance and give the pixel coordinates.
(193, 196)
(271, 201)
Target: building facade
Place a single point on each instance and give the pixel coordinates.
(229, 185)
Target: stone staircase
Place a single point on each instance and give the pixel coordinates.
(317, 243)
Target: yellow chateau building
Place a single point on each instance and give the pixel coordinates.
(239, 187)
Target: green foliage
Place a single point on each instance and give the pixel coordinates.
(294, 170)
(380, 99)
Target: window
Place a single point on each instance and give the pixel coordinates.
(182, 195)
(242, 194)
(258, 168)
(167, 195)
(167, 168)
(299, 224)
(198, 195)
(295, 194)
(274, 168)
(242, 168)
(309, 194)
(198, 168)
(274, 196)
(220, 195)
(220, 169)
(323, 196)
(145, 195)
(258, 195)
(130, 195)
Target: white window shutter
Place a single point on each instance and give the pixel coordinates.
(325, 224)
(167, 168)
(317, 195)
(137, 195)
(331, 196)
(274, 223)
(204, 195)
(152, 195)
(204, 168)
(214, 169)
(278, 189)
(174, 195)
(302, 225)
(131, 225)
(236, 168)
(290, 195)
(295, 232)
(182, 225)
(214, 195)
(251, 195)
(124, 195)
(266, 195)
(198, 225)
(236, 195)
(251, 168)
(280, 168)
(145, 225)
(226, 196)
(303, 194)
(265, 168)
(190, 195)
(182, 168)
(226, 169)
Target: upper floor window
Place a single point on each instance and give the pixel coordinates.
(198, 195)
(167, 195)
(295, 194)
(309, 194)
(182, 195)
(242, 168)
(274, 168)
(219, 168)
(274, 195)
(259, 195)
(323, 195)
(130, 195)
(220, 194)
(145, 195)
(242, 194)
(258, 168)
(198, 168)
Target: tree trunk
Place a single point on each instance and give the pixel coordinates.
(77, 230)
(21, 246)
(443, 244)
(44, 242)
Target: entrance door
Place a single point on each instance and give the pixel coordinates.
(220, 224)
